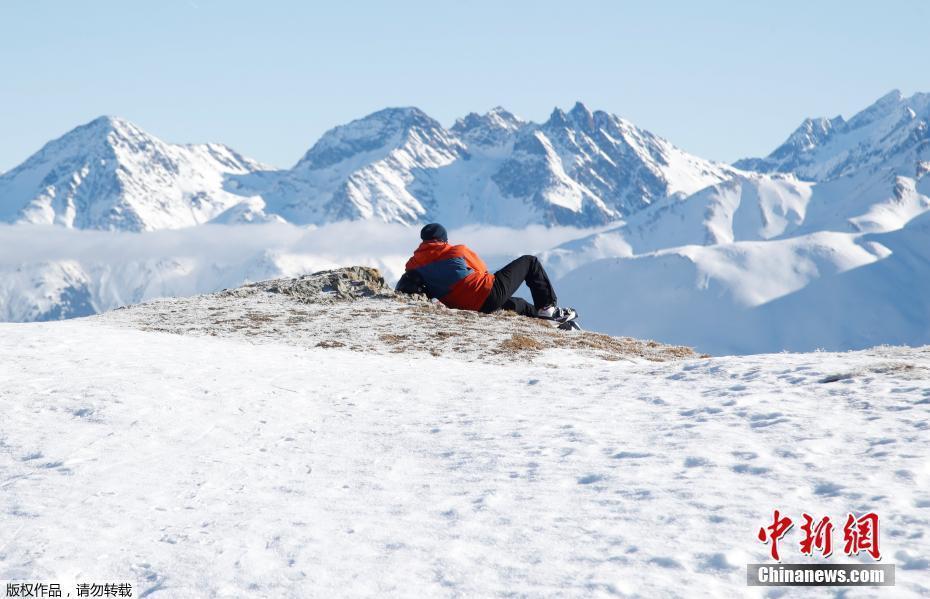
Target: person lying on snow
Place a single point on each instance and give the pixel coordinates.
(460, 279)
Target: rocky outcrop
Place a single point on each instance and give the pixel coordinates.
(342, 284)
(353, 309)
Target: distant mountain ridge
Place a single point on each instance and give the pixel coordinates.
(578, 168)
(892, 133)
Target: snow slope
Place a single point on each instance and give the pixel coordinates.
(201, 466)
(888, 300)
(747, 207)
(823, 290)
(109, 174)
(756, 207)
(702, 270)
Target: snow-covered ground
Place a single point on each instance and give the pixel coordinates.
(198, 465)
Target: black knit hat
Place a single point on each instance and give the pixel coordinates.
(434, 231)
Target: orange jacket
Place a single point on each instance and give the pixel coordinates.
(453, 273)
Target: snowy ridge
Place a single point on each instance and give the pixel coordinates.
(47, 290)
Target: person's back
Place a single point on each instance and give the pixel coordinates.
(452, 273)
(460, 279)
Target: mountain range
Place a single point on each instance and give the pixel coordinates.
(825, 245)
(579, 168)
(685, 250)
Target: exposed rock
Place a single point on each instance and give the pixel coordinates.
(351, 283)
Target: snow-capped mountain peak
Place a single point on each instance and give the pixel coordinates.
(380, 132)
(811, 133)
(110, 174)
(365, 169)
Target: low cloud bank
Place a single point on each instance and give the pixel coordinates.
(341, 243)
(49, 272)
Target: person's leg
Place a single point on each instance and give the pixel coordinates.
(508, 279)
(520, 306)
(538, 282)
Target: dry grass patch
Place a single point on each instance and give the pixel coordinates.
(258, 317)
(330, 343)
(520, 343)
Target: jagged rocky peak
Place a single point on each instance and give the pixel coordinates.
(493, 128)
(386, 128)
(581, 116)
(591, 167)
(557, 118)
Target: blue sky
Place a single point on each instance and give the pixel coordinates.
(721, 79)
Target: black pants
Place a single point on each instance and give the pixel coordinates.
(508, 279)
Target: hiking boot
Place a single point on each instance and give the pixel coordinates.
(557, 314)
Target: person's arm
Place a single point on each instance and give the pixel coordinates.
(411, 282)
